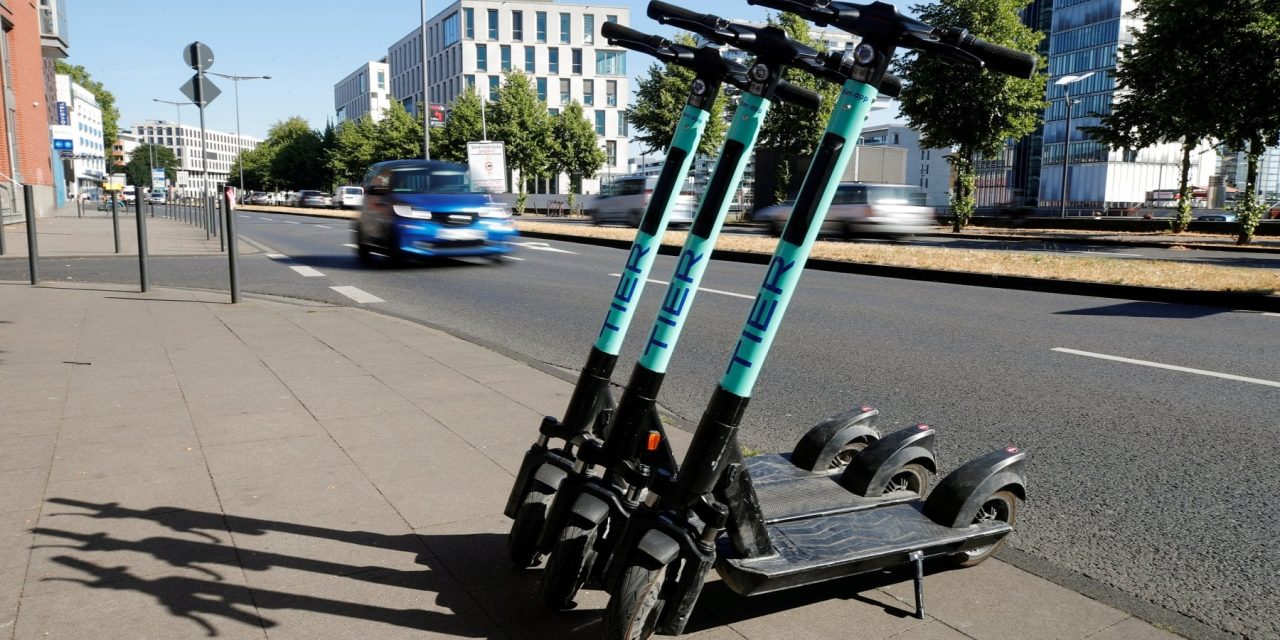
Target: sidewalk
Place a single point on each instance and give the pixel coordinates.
(177, 467)
(67, 234)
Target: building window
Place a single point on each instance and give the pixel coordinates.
(599, 122)
(482, 57)
(471, 81)
(506, 57)
(542, 89)
(541, 25)
(493, 24)
(611, 93)
(564, 28)
(493, 88)
(382, 80)
(528, 59)
(611, 63)
(589, 92)
(576, 69)
(622, 124)
(553, 112)
(469, 22)
(565, 94)
(553, 61)
(588, 28)
(517, 25)
(451, 32)
(611, 150)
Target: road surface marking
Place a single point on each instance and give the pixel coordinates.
(363, 297)
(1273, 315)
(513, 258)
(262, 218)
(542, 246)
(723, 293)
(1157, 365)
(320, 226)
(307, 272)
(293, 222)
(277, 256)
(350, 246)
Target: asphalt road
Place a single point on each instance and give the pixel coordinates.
(1149, 479)
(1067, 247)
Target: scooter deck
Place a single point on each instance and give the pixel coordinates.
(787, 492)
(834, 546)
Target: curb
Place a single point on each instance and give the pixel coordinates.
(1226, 299)
(310, 214)
(1153, 244)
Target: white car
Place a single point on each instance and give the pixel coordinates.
(625, 199)
(348, 197)
(863, 209)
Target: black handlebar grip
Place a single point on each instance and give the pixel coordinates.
(798, 96)
(661, 11)
(1012, 62)
(891, 86)
(615, 31)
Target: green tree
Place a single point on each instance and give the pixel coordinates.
(296, 154)
(1245, 91)
(660, 98)
(257, 169)
(353, 149)
(449, 142)
(969, 109)
(397, 136)
(578, 152)
(138, 169)
(521, 122)
(789, 130)
(106, 99)
(1159, 82)
(328, 140)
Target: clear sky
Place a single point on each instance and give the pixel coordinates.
(134, 47)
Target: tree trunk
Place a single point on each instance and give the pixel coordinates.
(1183, 219)
(962, 204)
(1248, 210)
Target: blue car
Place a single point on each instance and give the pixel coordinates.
(425, 208)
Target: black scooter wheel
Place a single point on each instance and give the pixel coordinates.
(911, 477)
(568, 567)
(1002, 506)
(632, 613)
(522, 541)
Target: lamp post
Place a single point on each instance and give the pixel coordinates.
(177, 106)
(239, 148)
(1065, 82)
(426, 84)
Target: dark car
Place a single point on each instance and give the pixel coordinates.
(424, 208)
(309, 198)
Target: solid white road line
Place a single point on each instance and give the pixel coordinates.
(542, 246)
(507, 257)
(293, 222)
(350, 246)
(320, 226)
(363, 297)
(262, 218)
(723, 293)
(1273, 315)
(277, 256)
(1170, 367)
(308, 272)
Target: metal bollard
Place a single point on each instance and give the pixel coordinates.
(233, 259)
(142, 245)
(33, 253)
(115, 224)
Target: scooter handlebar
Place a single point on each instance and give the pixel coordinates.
(799, 96)
(1011, 62)
(629, 38)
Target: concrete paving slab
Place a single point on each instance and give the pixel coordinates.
(992, 601)
(830, 610)
(352, 397)
(291, 495)
(167, 489)
(428, 383)
(475, 551)
(10, 592)
(205, 388)
(494, 421)
(407, 427)
(15, 538)
(425, 499)
(30, 423)
(117, 404)
(933, 630)
(517, 607)
(1132, 629)
(23, 489)
(249, 426)
(100, 460)
(267, 457)
(211, 407)
(128, 426)
(311, 364)
(25, 452)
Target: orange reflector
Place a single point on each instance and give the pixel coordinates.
(654, 439)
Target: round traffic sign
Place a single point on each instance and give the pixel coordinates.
(198, 56)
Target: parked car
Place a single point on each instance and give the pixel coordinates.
(156, 197)
(424, 208)
(625, 199)
(348, 197)
(1217, 217)
(863, 209)
(260, 198)
(311, 198)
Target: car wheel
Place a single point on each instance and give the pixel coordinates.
(363, 252)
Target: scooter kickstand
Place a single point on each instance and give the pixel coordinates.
(918, 558)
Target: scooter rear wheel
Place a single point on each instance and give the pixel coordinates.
(568, 567)
(1002, 506)
(632, 613)
(522, 541)
(911, 477)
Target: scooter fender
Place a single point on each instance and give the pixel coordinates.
(870, 470)
(541, 470)
(656, 549)
(819, 446)
(559, 511)
(956, 500)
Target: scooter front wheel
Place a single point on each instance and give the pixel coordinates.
(522, 541)
(569, 566)
(632, 613)
(1001, 506)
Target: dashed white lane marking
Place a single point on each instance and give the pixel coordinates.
(307, 272)
(542, 246)
(723, 293)
(321, 226)
(513, 258)
(292, 222)
(1273, 315)
(262, 218)
(361, 296)
(1157, 365)
(277, 256)
(350, 246)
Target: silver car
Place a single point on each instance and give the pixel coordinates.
(625, 199)
(863, 209)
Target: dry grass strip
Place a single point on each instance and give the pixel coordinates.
(1138, 272)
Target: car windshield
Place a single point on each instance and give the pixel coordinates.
(430, 180)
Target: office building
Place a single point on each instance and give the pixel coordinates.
(1234, 167)
(364, 91)
(926, 168)
(33, 35)
(79, 125)
(184, 141)
(558, 45)
(122, 150)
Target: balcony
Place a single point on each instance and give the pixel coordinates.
(53, 29)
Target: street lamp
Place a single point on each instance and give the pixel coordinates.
(177, 106)
(239, 144)
(426, 85)
(1065, 82)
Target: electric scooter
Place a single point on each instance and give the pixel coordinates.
(589, 509)
(545, 465)
(657, 570)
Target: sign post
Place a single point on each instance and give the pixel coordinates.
(201, 92)
(488, 164)
(143, 282)
(233, 258)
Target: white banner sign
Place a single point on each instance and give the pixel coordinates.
(488, 164)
